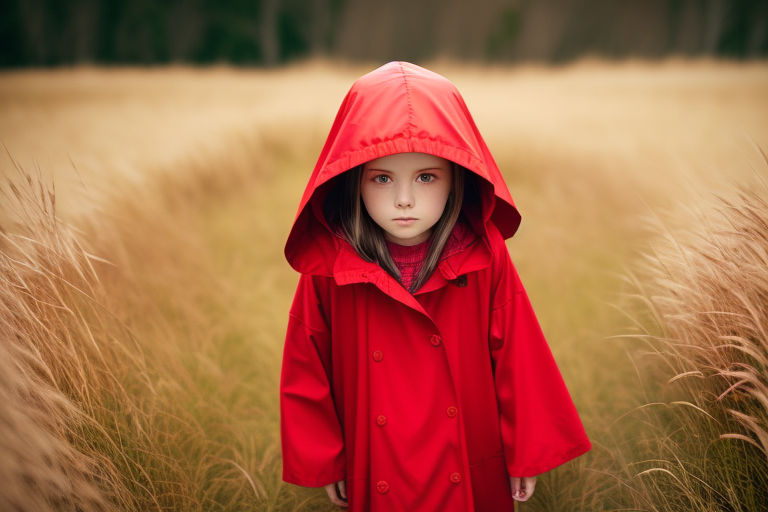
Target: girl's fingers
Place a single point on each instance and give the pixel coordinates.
(531, 484)
(514, 484)
(522, 488)
(333, 495)
(329, 489)
(343, 489)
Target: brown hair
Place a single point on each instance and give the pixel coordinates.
(345, 211)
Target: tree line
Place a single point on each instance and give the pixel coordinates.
(270, 32)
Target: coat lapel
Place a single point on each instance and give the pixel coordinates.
(350, 268)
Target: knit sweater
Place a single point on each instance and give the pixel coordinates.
(409, 258)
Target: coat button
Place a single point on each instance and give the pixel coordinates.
(382, 486)
(455, 477)
(435, 340)
(381, 420)
(451, 411)
(378, 355)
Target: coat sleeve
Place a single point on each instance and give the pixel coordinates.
(540, 427)
(310, 431)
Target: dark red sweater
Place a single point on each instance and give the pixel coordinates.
(409, 258)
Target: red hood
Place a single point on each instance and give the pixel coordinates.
(399, 107)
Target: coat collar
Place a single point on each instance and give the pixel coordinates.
(349, 268)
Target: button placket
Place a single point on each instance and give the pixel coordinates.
(382, 486)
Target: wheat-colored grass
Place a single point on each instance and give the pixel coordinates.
(150, 315)
(705, 290)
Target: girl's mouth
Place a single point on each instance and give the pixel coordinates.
(405, 221)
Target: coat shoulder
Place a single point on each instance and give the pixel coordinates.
(311, 302)
(497, 245)
(314, 283)
(503, 269)
(323, 286)
(320, 282)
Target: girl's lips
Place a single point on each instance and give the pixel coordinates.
(405, 222)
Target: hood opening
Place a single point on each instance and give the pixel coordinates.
(477, 201)
(313, 247)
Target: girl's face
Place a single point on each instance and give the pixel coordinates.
(405, 194)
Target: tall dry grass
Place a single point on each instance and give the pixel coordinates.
(56, 364)
(701, 297)
(115, 379)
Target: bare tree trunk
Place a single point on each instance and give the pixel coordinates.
(82, 30)
(756, 45)
(320, 27)
(544, 23)
(687, 37)
(34, 27)
(713, 25)
(270, 43)
(185, 28)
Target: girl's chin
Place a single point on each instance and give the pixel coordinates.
(405, 239)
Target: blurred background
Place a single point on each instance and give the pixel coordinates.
(153, 157)
(271, 32)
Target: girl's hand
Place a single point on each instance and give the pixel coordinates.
(338, 493)
(522, 487)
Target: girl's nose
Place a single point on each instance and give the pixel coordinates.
(404, 197)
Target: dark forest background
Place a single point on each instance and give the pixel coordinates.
(270, 32)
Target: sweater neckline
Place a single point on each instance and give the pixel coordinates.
(408, 253)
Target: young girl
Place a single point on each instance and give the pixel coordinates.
(415, 375)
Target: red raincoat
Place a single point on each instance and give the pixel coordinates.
(427, 401)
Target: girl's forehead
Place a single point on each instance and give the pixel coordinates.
(408, 161)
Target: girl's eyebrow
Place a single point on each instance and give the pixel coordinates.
(420, 170)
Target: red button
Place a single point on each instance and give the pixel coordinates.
(378, 355)
(435, 340)
(451, 411)
(381, 420)
(382, 486)
(455, 477)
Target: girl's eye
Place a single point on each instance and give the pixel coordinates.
(426, 178)
(381, 178)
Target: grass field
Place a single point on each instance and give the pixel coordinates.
(144, 328)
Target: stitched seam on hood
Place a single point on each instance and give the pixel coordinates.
(410, 125)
